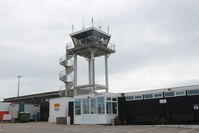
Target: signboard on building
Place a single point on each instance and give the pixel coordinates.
(195, 107)
(163, 101)
(7, 117)
(57, 106)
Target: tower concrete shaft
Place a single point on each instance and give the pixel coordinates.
(92, 71)
(106, 72)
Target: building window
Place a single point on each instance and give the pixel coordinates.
(169, 94)
(158, 95)
(180, 93)
(108, 99)
(78, 107)
(93, 106)
(129, 98)
(114, 99)
(108, 108)
(86, 106)
(100, 105)
(148, 96)
(139, 97)
(193, 92)
(114, 107)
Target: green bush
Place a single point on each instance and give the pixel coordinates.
(117, 120)
(158, 120)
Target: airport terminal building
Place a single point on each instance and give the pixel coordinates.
(92, 103)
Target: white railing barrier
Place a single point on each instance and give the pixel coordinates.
(111, 46)
(62, 58)
(69, 45)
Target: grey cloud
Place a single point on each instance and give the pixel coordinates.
(151, 33)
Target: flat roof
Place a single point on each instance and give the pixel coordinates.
(162, 90)
(90, 28)
(45, 94)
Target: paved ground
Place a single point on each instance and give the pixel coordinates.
(44, 127)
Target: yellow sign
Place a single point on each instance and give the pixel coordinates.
(57, 106)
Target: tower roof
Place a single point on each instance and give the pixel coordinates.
(89, 31)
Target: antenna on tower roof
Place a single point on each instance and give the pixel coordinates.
(72, 28)
(108, 29)
(92, 21)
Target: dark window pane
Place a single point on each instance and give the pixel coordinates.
(78, 107)
(148, 96)
(180, 93)
(114, 108)
(138, 97)
(100, 105)
(193, 92)
(129, 98)
(108, 108)
(158, 95)
(169, 94)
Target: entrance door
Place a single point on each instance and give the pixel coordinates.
(71, 112)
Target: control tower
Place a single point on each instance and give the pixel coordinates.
(88, 43)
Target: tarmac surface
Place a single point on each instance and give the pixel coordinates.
(44, 127)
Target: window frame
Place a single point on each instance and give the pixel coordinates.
(169, 92)
(113, 108)
(148, 95)
(95, 105)
(192, 94)
(158, 96)
(177, 95)
(86, 102)
(80, 106)
(107, 109)
(138, 98)
(104, 104)
(130, 99)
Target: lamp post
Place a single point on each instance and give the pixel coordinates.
(18, 84)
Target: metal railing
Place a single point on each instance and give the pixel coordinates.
(61, 90)
(111, 46)
(62, 58)
(70, 62)
(70, 78)
(62, 75)
(70, 45)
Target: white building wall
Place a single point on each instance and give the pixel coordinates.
(94, 118)
(4, 106)
(14, 110)
(61, 111)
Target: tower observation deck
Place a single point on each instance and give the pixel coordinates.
(88, 43)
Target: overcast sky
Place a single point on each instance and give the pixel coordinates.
(156, 43)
